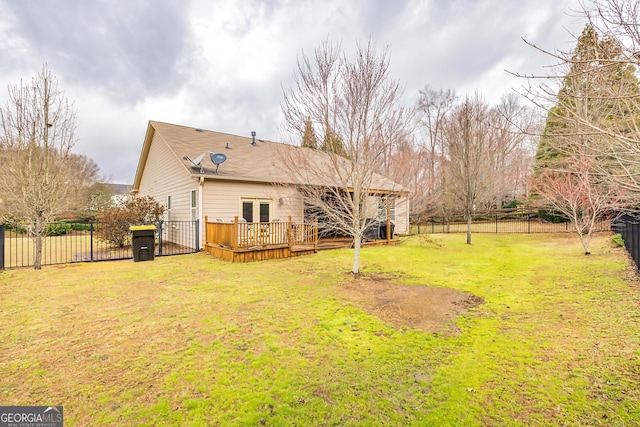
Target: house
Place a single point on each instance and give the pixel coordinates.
(217, 177)
(121, 192)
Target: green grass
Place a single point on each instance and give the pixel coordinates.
(190, 340)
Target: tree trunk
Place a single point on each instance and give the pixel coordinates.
(585, 238)
(38, 232)
(357, 240)
(468, 229)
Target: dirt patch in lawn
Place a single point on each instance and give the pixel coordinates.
(425, 308)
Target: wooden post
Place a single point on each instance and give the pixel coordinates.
(315, 236)
(2, 246)
(207, 238)
(289, 232)
(234, 238)
(388, 222)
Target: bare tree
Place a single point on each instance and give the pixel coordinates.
(434, 107)
(577, 191)
(512, 127)
(471, 162)
(40, 177)
(408, 166)
(354, 106)
(500, 138)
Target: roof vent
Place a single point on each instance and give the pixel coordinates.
(199, 130)
(227, 146)
(253, 138)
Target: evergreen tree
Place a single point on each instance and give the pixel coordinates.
(332, 143)
(596, 104)
(309, 138)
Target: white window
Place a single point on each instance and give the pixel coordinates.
(382, 208)
(168, 208)
(256, 210)
(194, 205)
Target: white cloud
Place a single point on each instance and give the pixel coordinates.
(222, 65)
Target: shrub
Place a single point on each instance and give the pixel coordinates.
(115, 222)
(551, 216)
(76, 226)
(57, 229)
(617, 239)
(512, 204)
(15, 227)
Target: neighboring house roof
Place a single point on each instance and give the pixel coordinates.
(120, 189)
(261, 162)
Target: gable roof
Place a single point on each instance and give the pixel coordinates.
(244, 161)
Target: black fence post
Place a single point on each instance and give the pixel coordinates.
(635, 242)
(197, 235)
(160, 237)
(1, 247)
(91, 240)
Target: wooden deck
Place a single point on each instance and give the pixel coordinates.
(239, 241)
(245, 242)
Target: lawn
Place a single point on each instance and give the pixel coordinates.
(190, 340)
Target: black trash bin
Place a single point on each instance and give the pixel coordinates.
(143, 242)
(383, 229)
(372, 231)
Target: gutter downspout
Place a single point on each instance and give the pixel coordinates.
(203, 225)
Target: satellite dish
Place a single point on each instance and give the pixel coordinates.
(197, 162)
(217, 159)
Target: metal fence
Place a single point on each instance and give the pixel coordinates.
(91, 242)
(629, 228)
(500, 222)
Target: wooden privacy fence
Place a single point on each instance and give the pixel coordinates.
(238, 240)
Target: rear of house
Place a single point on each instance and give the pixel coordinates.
(211, 176)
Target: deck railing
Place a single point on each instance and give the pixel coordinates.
(239, 235)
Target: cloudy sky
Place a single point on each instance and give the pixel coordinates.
(222, 64)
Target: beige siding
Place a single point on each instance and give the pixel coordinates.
(371, 207)
(223, 200)
(164, 176)
(402, 215)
